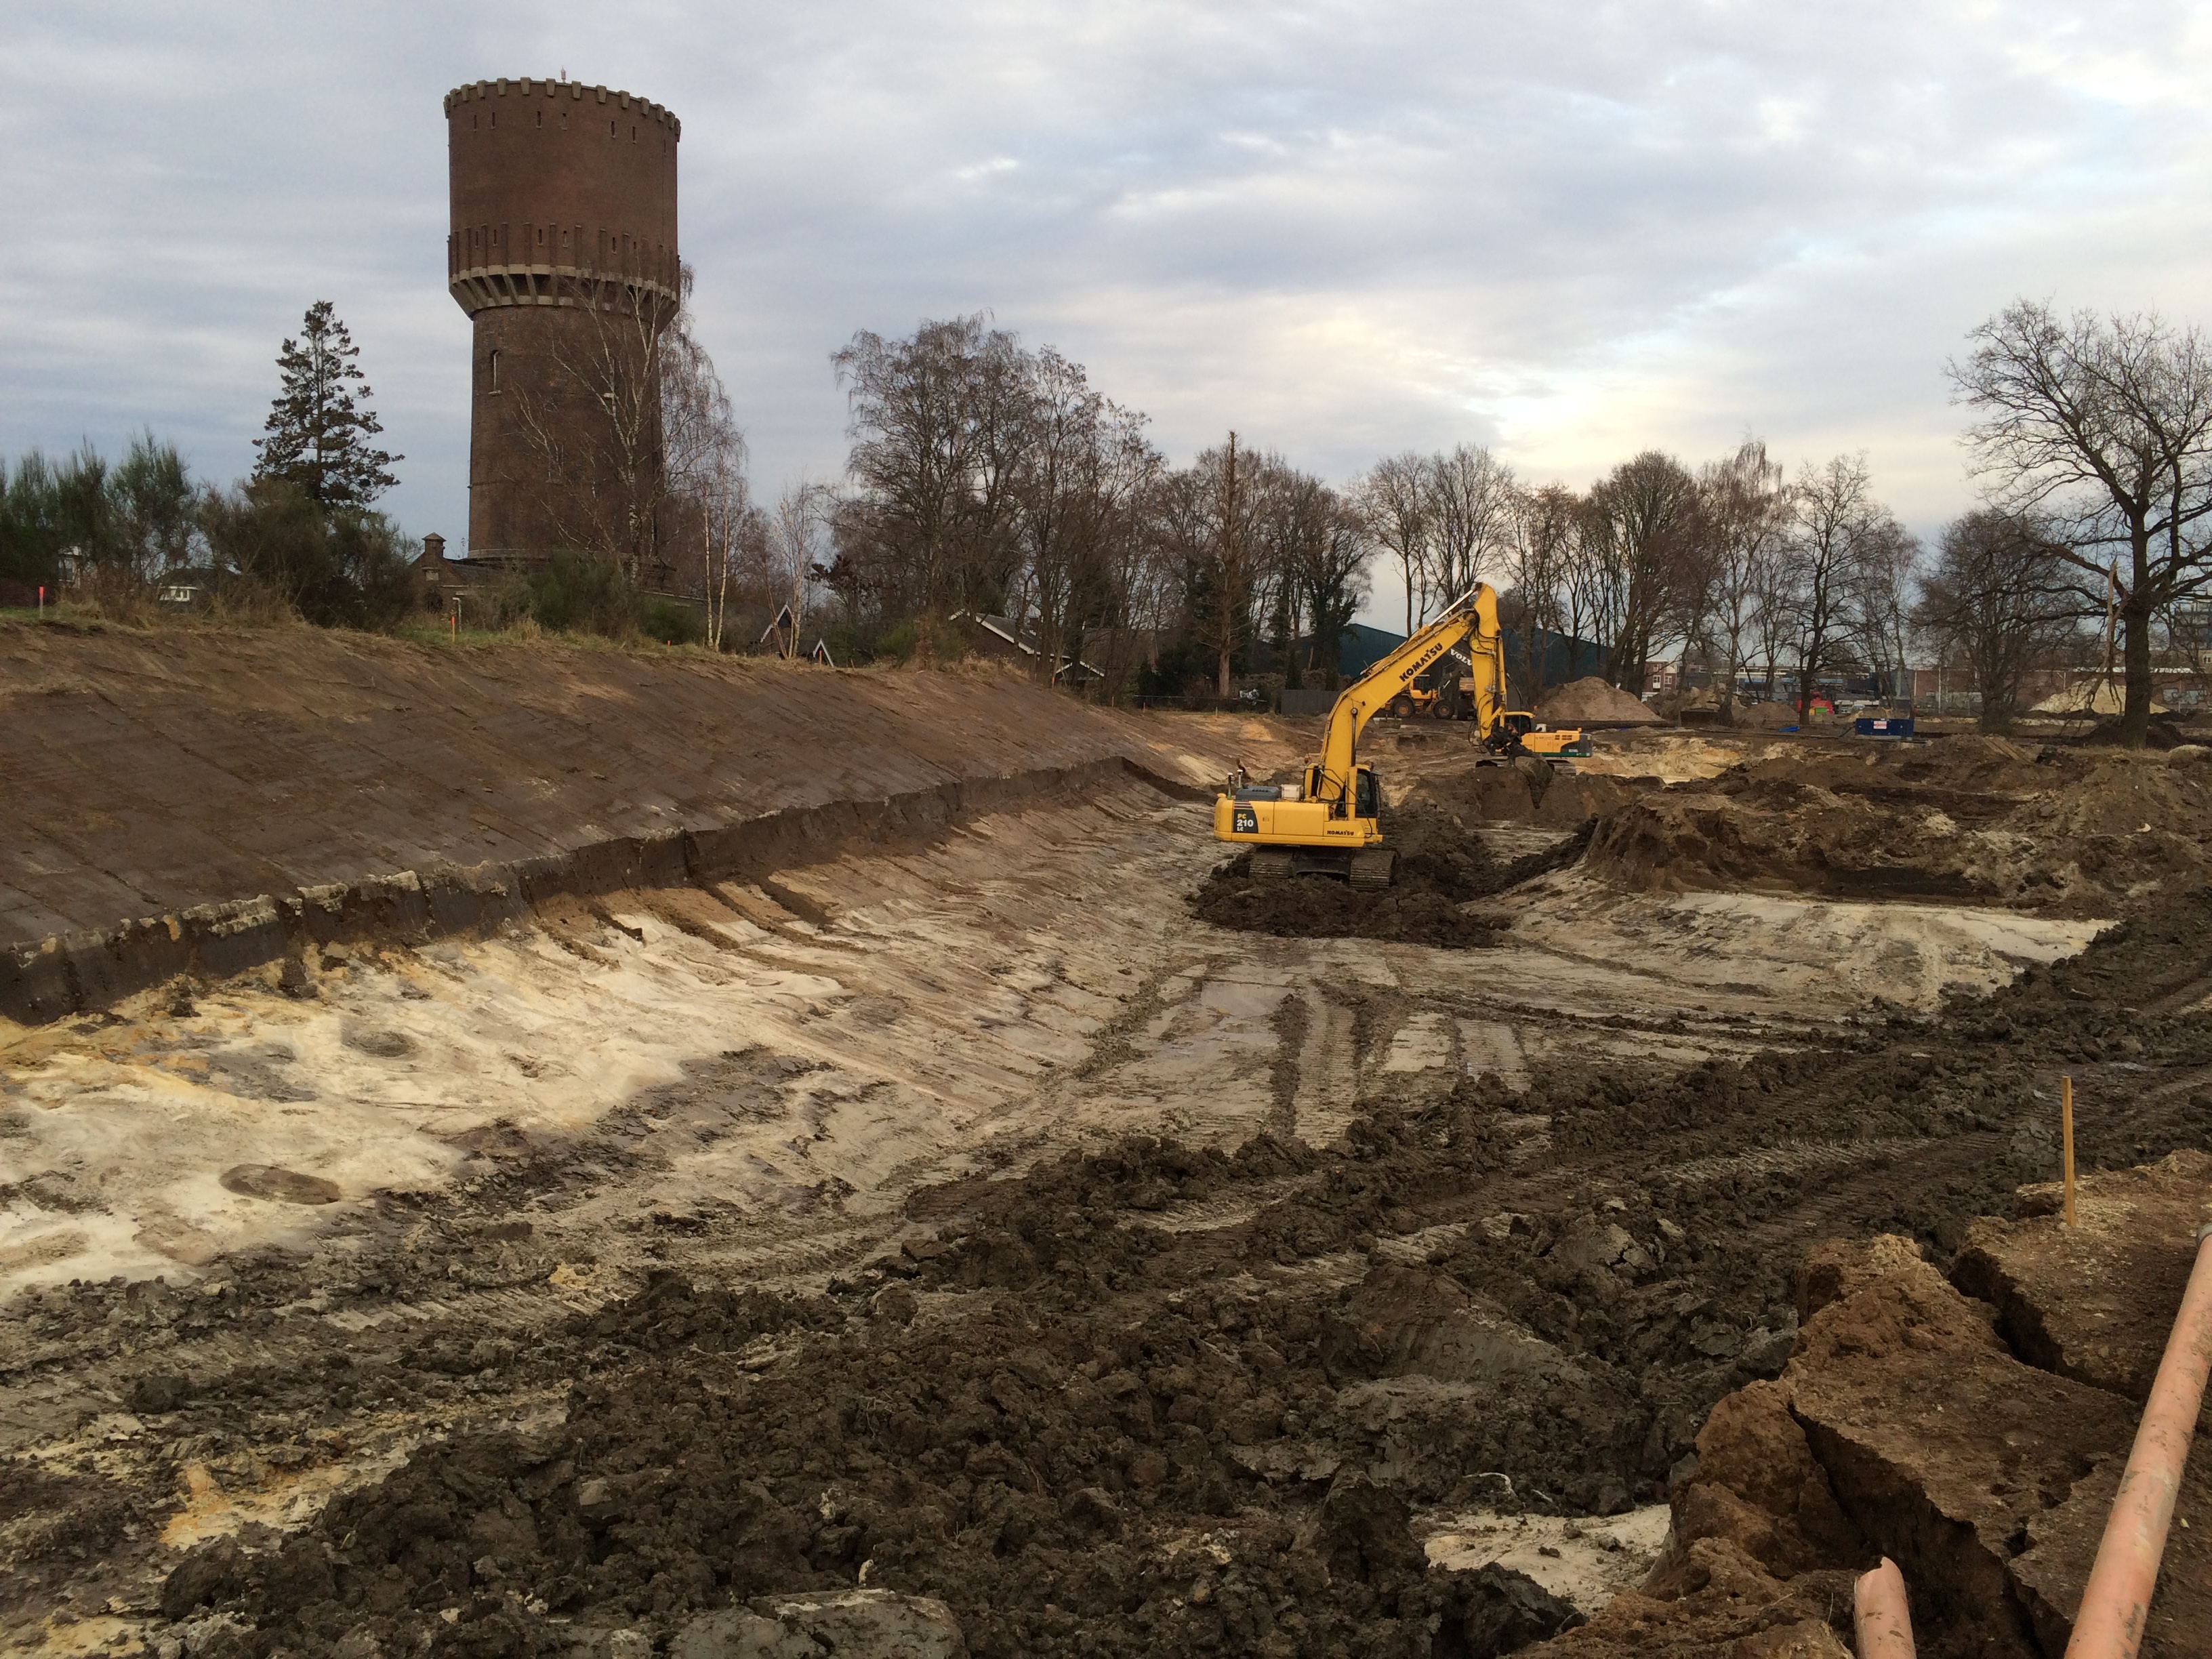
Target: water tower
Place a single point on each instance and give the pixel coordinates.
(563, 253)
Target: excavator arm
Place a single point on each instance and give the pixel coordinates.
(1471, 620)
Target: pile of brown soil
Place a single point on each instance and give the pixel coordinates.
(1532, 792)
(1440, 867)
(1086, 1432)
(1591, 702)
(1975, 820)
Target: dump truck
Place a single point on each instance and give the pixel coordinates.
(1329, 821)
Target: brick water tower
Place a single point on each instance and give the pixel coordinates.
(563, 255)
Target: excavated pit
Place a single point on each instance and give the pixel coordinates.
(957, 1237)
(1442, 866)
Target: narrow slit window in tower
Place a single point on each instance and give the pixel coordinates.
(492, 371)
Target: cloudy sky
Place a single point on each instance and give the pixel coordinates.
(1567, 231)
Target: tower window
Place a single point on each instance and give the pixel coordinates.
(541, 118)
(492, 369)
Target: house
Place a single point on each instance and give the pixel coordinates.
(1002, 638)
(780, 637)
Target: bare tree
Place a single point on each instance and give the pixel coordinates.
(1085, 467)
(1836, 529)
(2104, 426)
(799, 546)
(1392, 500)
(2000, 596)
(1745, 505)
(1777, 594)
(939, 426)
(1231, 552)
(1470, 497)
(1879, 602)
(611, 480)
(1637, 528)
(1544, 526)
(730, 532)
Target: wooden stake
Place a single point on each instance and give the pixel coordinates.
(2066, 1144)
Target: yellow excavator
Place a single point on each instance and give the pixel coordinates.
(1329, 824)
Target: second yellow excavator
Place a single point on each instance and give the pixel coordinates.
(1329, 824)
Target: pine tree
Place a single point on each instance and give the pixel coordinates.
(320, 426)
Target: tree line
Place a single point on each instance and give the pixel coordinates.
(1732, 568)
(986, 478)
(298, 532)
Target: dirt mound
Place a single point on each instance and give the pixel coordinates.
(1784, 838)
(1591, 702)
(1528, 791)
(1767, 715)
(469, 775)
(1440, 867)
(1972, 820)
(2096, 696)
(2159, 734)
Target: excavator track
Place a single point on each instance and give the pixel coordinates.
(1370, 869)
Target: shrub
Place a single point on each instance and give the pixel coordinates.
(582, 594)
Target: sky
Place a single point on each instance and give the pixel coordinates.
(1568, 232)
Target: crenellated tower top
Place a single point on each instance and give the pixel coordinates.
(563, 194)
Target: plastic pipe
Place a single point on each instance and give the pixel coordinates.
(1880, 1615)
(2116, 1603)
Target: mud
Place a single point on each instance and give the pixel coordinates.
(1153, 1398)
(1442, 866)
(1967, 820)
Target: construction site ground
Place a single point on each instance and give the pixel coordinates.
(831, 1170)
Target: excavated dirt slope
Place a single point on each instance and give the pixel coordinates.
(187, 800)
(948, 1242)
